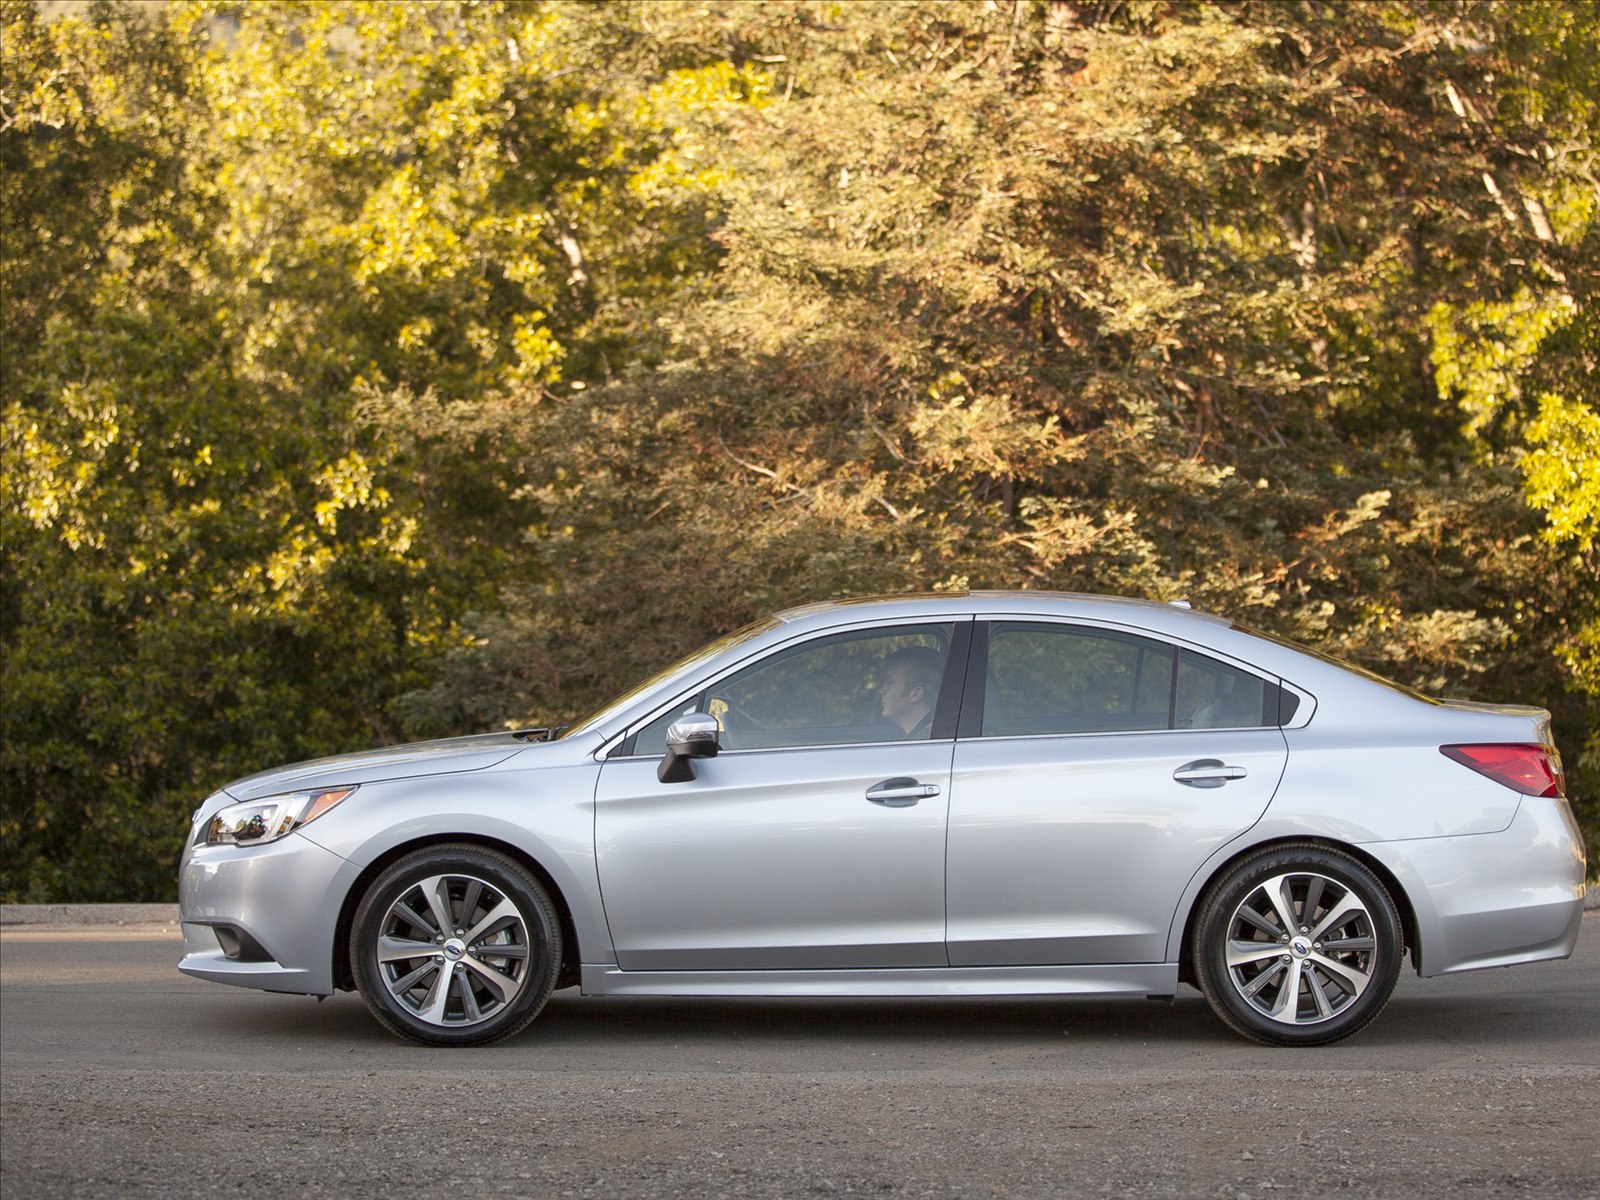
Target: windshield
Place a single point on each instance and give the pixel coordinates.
(1311, 652)
(710, 650)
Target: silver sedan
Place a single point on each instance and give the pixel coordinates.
(985, 794)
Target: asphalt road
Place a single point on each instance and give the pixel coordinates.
(119, 1077)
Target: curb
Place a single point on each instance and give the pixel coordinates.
(88, 914)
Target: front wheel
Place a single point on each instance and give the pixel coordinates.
(1298, 946)
(455, 946)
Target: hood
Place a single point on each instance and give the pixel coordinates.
(445, 757)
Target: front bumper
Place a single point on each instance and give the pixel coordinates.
(1494, 899)
(262, 916)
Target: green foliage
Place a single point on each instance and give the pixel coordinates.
(389, 370)
(1563, 469)
(238, 243)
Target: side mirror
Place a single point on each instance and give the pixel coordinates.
(688, 738)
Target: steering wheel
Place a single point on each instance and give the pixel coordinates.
(736, 723)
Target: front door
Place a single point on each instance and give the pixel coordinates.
(775, 859)
(816, 839)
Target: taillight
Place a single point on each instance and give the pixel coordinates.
(1525, 767)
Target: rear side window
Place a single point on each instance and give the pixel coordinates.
(1213, 695)
(1057, 679)
(1042, 678)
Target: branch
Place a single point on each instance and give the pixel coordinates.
(795, 490)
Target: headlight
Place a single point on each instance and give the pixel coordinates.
(256, 822)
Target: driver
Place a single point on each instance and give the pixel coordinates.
(911, 688)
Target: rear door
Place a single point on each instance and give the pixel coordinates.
(1096, 771)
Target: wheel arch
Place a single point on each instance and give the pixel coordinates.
(344, 979)
(1197, 895)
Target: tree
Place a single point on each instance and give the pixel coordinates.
(272, 273)
(1140, 299)
(382, 370)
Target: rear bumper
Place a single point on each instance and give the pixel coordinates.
(1494, 899)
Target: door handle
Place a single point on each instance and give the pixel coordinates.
(900, 792)
(1207, 773)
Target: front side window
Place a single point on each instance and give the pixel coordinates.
(864, 686)
(1043, 678)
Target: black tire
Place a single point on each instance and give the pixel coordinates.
(1297, 945)
(482, 927)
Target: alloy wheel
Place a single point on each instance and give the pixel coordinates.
(453, 950)
(1300, 948)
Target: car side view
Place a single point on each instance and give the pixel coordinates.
(978, 794)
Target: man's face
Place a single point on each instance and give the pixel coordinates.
(900, 699)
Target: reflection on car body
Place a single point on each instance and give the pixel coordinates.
(958, 795)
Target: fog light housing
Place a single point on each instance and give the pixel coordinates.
(239, 946)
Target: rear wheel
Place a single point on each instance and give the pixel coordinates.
(1298, 946)
(455, 946)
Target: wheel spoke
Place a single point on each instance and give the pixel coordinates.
(1341, 912)
(1287, 1005)
(394, 949)
(406, 982)
(504, 911)
(501, 983)
(469, 902)
(1353, 981)
(1308, 908)
(1240, 953)
(1324, 1006)
(416, 919)
(469, 1000)
(1251, 917)
(1277, 890)
(433, 1006)
(1251, 989)
(503, 950)
(437, 892)
(1348, 945)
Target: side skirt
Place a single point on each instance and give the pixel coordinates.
(1137, 979)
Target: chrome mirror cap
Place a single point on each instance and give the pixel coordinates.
(695, 736)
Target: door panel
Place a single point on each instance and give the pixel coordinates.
(776, 859)
(1076, 849)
